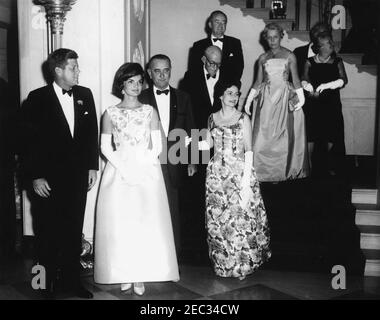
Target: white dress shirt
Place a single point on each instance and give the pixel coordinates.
(67, 104)
(217, 43)
(211, 84)
(163, 104)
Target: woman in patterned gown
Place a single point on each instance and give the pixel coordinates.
(134, 238)
(279, 138)
(238, 232)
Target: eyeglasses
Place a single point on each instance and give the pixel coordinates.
(212, 63)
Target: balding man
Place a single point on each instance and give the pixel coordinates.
(232, 53)
(200, 82)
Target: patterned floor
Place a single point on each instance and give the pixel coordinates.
(200, 283)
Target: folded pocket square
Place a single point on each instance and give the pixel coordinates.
(86, 113)
(231, 54)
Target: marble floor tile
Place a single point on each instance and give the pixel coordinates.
(256, 292)
(158, 291)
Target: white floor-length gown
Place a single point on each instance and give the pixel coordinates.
(133, 236)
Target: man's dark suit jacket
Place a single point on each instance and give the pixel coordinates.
(52, 150)
(301, 55)
(181, 117)
(195, 85)
(232, 59)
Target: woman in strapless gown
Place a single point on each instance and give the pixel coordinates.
(134, 240)
(278, 124)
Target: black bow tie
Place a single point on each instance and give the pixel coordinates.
(218, 39)
(69, 92)
(160, 92)
(208, 76)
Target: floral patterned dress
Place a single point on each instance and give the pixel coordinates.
(238, 239)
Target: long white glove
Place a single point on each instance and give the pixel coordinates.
(203, 145)
(112, 156)
(301, 99)
(252, 94)
(331, 85)
(307, 86)
(156, 150)
(246, 190)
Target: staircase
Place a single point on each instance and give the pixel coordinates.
(359, 108)
(368, 221)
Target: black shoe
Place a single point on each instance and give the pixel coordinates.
(83, 293)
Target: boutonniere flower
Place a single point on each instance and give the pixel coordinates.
(80, 102)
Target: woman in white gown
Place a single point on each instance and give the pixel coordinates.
(134, 238)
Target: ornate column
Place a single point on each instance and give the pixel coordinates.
(56, 16)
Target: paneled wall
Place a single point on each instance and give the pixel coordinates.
(5, 19)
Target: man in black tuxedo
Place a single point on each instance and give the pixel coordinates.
(175, 112)
(8, 142)
(232, 57)
(200, 83)
(62, 163)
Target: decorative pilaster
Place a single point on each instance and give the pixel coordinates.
(56, 11)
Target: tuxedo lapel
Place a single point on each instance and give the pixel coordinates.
(77, 110)
(173, 109)
(57, 110)
(226, 48)
(152, 101)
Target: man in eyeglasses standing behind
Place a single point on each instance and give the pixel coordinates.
(200, 82)
(232, 54)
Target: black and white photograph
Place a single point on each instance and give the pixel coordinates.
(189, 156)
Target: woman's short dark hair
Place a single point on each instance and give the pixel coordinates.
(126, 71)
(58, 59)
(273, 26)
(222, 86)
(318, 28)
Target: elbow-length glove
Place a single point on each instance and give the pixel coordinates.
(252, 94)
(307, 86)
(112, 156)
(154, 153)
(246, 190)
(330, 85)
(301, 99)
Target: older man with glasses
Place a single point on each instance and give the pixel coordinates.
(200, 82)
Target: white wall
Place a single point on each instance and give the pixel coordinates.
(95, 30)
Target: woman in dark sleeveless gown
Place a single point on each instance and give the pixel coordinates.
(324, 75)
